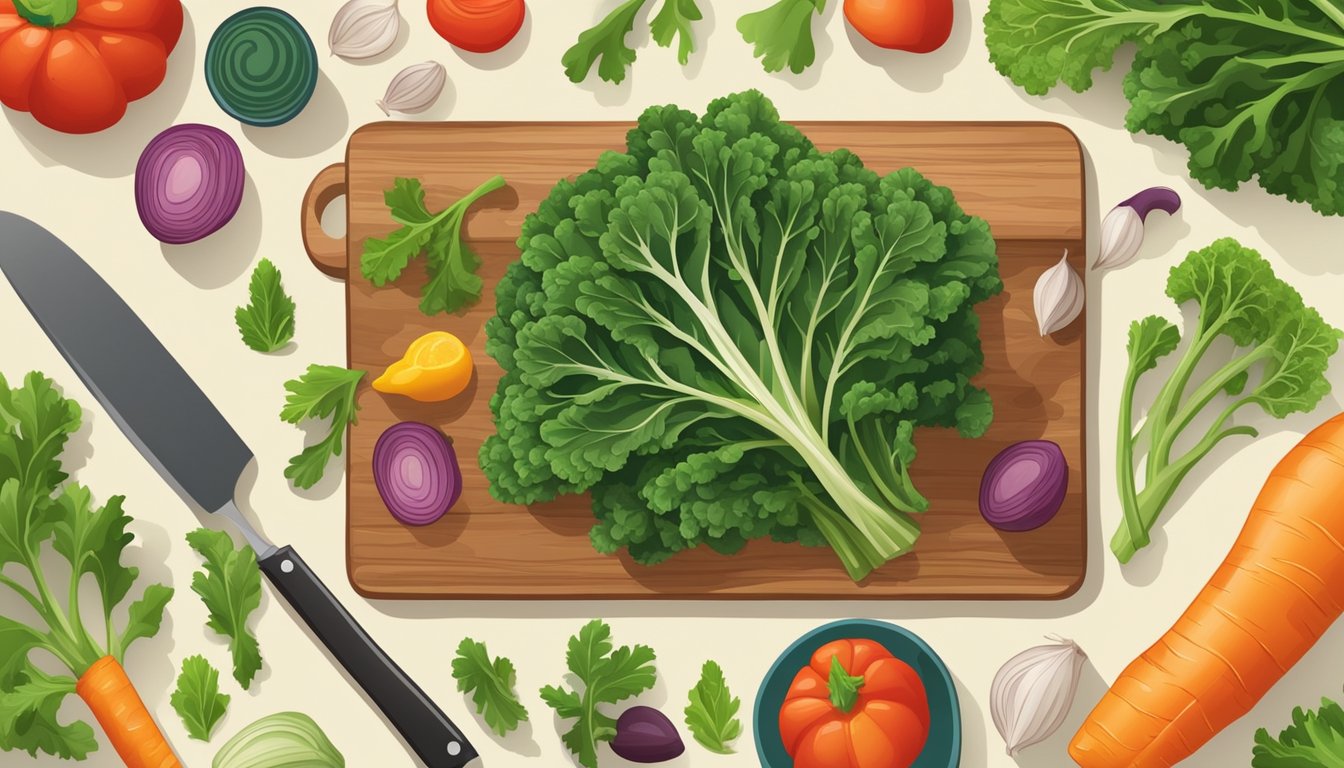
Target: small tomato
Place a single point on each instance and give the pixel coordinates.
(479, 26)
(918, 26)
(855, 706)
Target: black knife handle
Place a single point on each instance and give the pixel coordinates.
(422, 724)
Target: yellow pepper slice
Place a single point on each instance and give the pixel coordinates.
(436, 367)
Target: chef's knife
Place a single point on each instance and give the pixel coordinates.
(188, 441)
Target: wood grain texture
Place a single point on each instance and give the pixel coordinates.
(1026, 179)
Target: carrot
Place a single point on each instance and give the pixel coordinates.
(1275, 594)
(119, 710)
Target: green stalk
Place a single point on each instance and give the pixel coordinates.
(47, 13)
(1169, 398)
(1124, 459)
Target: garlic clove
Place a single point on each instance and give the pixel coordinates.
(1032, 693)
(414, 89)
(1121, 236)
(1058, 297)
(363, 29)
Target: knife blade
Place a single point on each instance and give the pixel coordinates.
(176, 427)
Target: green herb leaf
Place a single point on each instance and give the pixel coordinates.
(267, 322)
(35, 423)
(674, 21)
(491, 684)
(782, 34)
(29, 707)
(323, 391)
(844, 687)
(608, 676)
(1315, 738)
(604, 42)
(712, 712)
(230, 587)
(145, 615)
(451, 264)
(197, 699)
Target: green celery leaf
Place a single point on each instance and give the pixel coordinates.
(230, 587)
(712, 712)
(35, 422)
(782, 34)
(145, 616)
(1315, 738)
(197, 699)
(674, 22)
(323, 391)
(267, 322)
(605, 45)
(491, 684)
(1151, 339)
(93, 540)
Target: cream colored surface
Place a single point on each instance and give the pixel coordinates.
(80, 187)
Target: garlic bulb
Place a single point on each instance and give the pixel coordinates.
(414, 89)
(364, 28)
(1032, 693)
(1122, 230)
(1059, 297)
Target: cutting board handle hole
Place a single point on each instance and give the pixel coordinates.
(324, 220)
(333, 218)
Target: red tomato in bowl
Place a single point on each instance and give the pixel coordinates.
(479, 26)
(918, 26)
(855, 706)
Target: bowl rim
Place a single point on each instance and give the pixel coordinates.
(877, 625)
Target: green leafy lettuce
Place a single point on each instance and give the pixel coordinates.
(324, 391)
(230, 587)
(607, 675)
(782, 34)
(1251, 89)
(491, 684)
(39, 510)
(1316, 738)
(451, 264)
(267, 322)
(726, 334)
(1283, 348)
(712, 712)
(197, 699)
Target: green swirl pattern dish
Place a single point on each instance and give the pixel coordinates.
(261, 66)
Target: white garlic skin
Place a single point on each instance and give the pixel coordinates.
(1058, 297)
(1121, 236)
(1033, 692)
(414, 89)
(363, 29)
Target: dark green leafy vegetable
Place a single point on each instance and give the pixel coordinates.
(197, 699)
(1283, 342)
(453, 282)
(782, 34)
(491, 685)
(230, 587)
(607, 676)
(39, 511)
(712, 712)
(267, 322)
(323, 391)
(725, 334)
(1251, 89)
(1316, 738)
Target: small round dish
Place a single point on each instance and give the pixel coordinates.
(943, 749)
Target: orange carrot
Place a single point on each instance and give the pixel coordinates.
(128, 725)
(1279, 589)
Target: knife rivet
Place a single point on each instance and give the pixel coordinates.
(287, 566)
(454, 748)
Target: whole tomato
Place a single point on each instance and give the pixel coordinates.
(855, 706)
(918, 26)
(75, 64)
(479, 26)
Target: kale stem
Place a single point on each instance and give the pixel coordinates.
(1331, 11)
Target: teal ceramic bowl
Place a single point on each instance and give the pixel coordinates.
(943, 749)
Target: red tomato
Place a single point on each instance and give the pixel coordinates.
(885, 728)
(479, 26)
(918, 26)
(77, 74)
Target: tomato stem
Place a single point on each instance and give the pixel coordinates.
(844, 686)
(47, 13)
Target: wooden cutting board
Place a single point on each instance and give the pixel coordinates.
(1026, 179)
